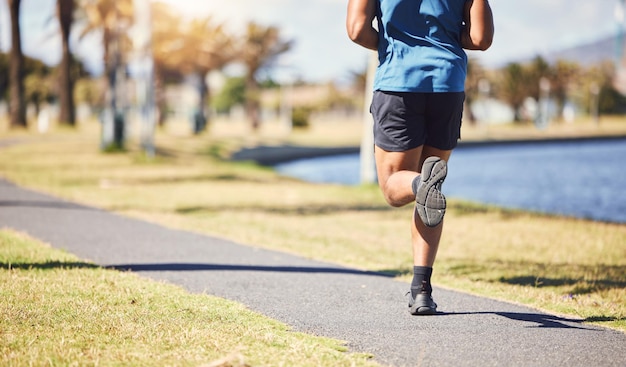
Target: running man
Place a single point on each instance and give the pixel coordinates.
(419, 90)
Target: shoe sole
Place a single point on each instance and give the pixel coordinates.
(430, 202)
(423, 305)
(424, 311)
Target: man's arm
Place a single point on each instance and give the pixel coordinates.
(361, 13)
(478, 31)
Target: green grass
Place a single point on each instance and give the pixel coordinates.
(562, 265)
(58, 310)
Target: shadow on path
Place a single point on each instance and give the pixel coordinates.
(190, 267)
(272, 155)
(49, 265)
(540, 320)
(224, 267)
(43, 204)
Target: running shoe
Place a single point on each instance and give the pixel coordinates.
(422, 304)
(431, 204)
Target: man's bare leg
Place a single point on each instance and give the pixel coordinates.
(396, 173)
(425, 239)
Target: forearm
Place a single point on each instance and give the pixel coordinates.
(478, 31)
(361, 13)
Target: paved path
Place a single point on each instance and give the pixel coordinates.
(366, 309)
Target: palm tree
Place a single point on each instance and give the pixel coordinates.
(261, 46)
(566, 73)
(513, 88)
(475, 76)
(38, 83)
(538, 69)
(65, 11)
(16, 69)
(113, 19)
(166, 37)
(204, 47)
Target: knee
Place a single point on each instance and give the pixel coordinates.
(393, 199)
(396, 203)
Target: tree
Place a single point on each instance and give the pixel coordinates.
(600, 95)
(204, 47)
(166, 37)
(37, 83)
(65, 11)
(16, 69)
(259, 50)
(113, 19)
(37, 90)
(564, 75)
(4, 72)
(232, 94)
(513, 87)
(475, 75)
(536, 70)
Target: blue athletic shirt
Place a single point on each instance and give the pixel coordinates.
(419, 48)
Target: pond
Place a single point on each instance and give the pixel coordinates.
(582, 178)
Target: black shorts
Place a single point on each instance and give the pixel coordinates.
(404, 121)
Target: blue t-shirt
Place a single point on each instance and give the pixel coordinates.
(419, 47)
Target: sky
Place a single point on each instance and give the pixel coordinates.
(322, 50)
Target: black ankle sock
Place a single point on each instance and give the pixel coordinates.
(415, 184)
(421, 280)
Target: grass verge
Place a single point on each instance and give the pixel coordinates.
(58, 310)
(563, 265)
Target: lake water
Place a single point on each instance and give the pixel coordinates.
(584, 179)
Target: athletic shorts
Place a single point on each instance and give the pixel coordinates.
(404, 120)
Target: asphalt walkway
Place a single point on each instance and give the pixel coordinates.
(366, 309)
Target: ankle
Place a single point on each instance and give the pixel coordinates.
(421, 280)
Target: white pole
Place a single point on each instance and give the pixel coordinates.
(620, 19)
(142, 42)
(620, 59)
(368, 166)
(286, 105)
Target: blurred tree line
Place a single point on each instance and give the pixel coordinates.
(181, 48)
(567, 83)
(185, 48)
